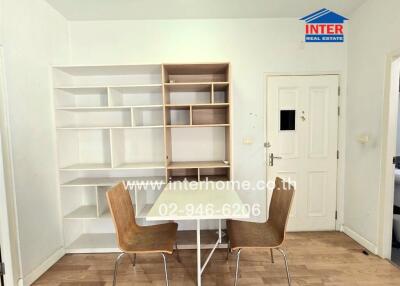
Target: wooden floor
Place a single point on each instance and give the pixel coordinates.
(323, 258)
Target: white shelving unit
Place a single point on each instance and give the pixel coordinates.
(135, 123)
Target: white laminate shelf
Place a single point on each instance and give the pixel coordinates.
(141, 87)
(111, 127)
(87, 166)
(94, 243)
(108, 182)
(122, 107)
(83, 212)
(131, 166)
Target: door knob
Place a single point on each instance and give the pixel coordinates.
(272, 157)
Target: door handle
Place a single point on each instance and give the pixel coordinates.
(272, 157)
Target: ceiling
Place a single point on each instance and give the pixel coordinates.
(91, 10)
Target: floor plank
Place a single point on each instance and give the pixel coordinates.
(320, 258)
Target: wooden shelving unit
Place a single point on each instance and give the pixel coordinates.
(136, 123)
(196, 96)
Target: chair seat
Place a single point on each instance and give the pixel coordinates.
(154, 238)
(252, 235)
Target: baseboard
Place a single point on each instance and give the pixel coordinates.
(42, 268)
(361, 240)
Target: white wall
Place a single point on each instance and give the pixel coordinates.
(374, 34)
(35, 36)
(253, 46)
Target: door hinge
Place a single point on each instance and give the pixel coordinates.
(2, 269)
(338, 111)
(335, 215)
(337, 154)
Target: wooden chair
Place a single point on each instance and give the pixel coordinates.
(269, 235)
(133, 238)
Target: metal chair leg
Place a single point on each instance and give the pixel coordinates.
(177, 253)
(228, 250)
(272, 256)
(133, 260)
(116, 268)
(237, 267)
(165, 269)
(286, 265)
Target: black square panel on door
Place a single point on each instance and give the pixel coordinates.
(288, 120)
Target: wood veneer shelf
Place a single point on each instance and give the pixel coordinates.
(150, 165)
(197, 164)
(198, 125)
(182, 73)
(206, 105)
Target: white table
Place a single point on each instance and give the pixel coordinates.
(198, 201)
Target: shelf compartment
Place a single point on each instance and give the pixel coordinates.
(178, 73)
(76, 76)
(220, 93)
(205, 115)
(84, 149)
(81, 97)
(137, 148)
(142, 117)
(188, 93)
(89, 118)
(214, 174)
(183, 174)
(177, 115)
(135, 95)
(203, 143)
(79, 203)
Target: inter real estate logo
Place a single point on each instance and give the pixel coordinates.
(324, 26)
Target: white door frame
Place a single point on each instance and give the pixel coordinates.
(341, 136)
(389, 135)
(8, 222)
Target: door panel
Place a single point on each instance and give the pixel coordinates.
(302, 125)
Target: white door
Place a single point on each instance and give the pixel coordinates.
(302, 127)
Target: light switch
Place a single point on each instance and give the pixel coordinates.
(247, 141)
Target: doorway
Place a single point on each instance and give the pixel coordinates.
(302, 140)
(395, 252)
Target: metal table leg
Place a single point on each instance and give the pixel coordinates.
(198, 254)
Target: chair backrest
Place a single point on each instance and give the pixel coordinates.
(122, 212)
(281, 203)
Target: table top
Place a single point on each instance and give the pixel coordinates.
(199, 200)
